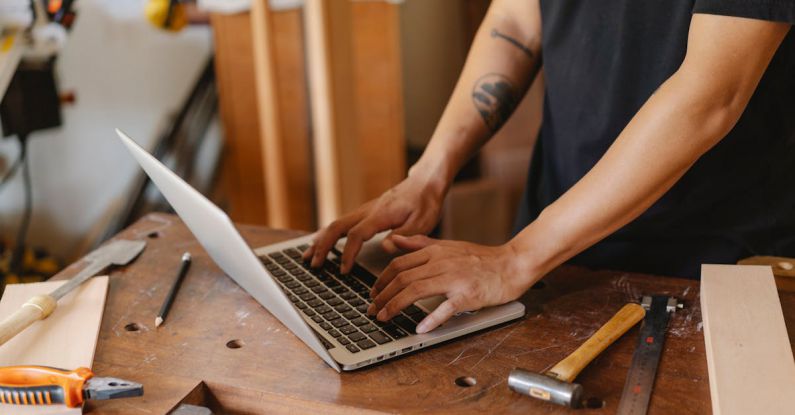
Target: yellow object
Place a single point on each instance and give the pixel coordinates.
(157, 12)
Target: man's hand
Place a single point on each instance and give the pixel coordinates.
(412, 207)
(471, 276)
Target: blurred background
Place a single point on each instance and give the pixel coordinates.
(286, 113)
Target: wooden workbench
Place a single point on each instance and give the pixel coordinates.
(192, 358)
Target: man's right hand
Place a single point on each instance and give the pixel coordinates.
(410, 208)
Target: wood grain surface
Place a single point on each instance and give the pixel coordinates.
(187, 360)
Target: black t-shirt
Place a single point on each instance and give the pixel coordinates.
(602, 60)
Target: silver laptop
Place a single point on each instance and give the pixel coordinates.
(325, 309)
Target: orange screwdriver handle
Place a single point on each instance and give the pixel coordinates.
(39, 385)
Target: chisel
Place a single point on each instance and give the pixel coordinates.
(38, 307)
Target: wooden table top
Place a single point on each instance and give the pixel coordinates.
(188, 359)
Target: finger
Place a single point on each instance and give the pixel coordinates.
(417, 290)
(413, 243)
(412, 226)
(444, 312)
(309, 252)
(361, 232)
(396, 266)
(328, 236)
(403, 280)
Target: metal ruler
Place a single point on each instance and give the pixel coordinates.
(640, 380)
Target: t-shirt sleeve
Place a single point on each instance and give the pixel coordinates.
(772, 10)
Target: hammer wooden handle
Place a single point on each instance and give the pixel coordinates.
(35, 309)
(568, 369)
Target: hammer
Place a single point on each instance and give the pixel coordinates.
(555, 385)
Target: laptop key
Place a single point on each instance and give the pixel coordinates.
(327, 295)
(379, 337)
(323, 309)
(350, 314)
(283, 261)
(334, 302)
(301, 291)
(338, 322)
(308, 311)
(326, 343)
(368, 328)
(300, 305)
(394, 332)
(342, 307)
(331, 283)
(356, 337)
(362, 308)
(365, 344)
(289, 265)
(325, 326)
(295, 271)
(347, 329)
(309, 297)
(341, 290)
(303, 247)
(317, 319)
(348, 296)
(356, 301)
(310, 283)
(334, 333)
(292, 253)
(314, 303)
(272, 267)
(360, 321)
(304, 277)
(292, 284)
(292, 298)
(352, 348)
(405, 323)
(319, 289)
(331, 316)
(343, 341)
(278, 273)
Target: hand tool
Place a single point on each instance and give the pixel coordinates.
(38, 307)
(555, 385)
(640, 381)
(183, 269)
(40, 385)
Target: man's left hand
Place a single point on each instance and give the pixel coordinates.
(471, 276)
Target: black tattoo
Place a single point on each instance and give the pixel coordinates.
(525, 49)
(495, 99)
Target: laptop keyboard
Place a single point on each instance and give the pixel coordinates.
(338, 303)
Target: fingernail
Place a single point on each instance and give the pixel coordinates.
(422, 327)
(371, 309)
(381, 315)
(373, 293)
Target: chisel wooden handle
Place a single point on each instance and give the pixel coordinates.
(35, 309)
(568, 369)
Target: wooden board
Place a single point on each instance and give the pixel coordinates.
(749, 357)
(66, 339)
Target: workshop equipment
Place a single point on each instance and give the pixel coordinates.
(183, 269)
(41, 385)
(555, 385)
(119, 252)
(640, 381)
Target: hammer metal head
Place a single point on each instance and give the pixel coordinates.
(546, 388)
(119, 252)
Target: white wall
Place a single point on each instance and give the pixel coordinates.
(125, 74)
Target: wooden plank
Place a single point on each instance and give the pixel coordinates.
(336, 151)
(66, 339)
(270, 123)
(749, 356)
(242, 174)
(289, 51)
(378, 90)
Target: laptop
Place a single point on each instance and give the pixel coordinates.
(325, 309)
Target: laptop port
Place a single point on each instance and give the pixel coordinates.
(406, 350)
(392, 354)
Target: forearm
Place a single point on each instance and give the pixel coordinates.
(502, 63)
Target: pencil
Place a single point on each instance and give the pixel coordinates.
(183, 269)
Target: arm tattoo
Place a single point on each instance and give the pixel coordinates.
(495, 98)
(525, 49)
